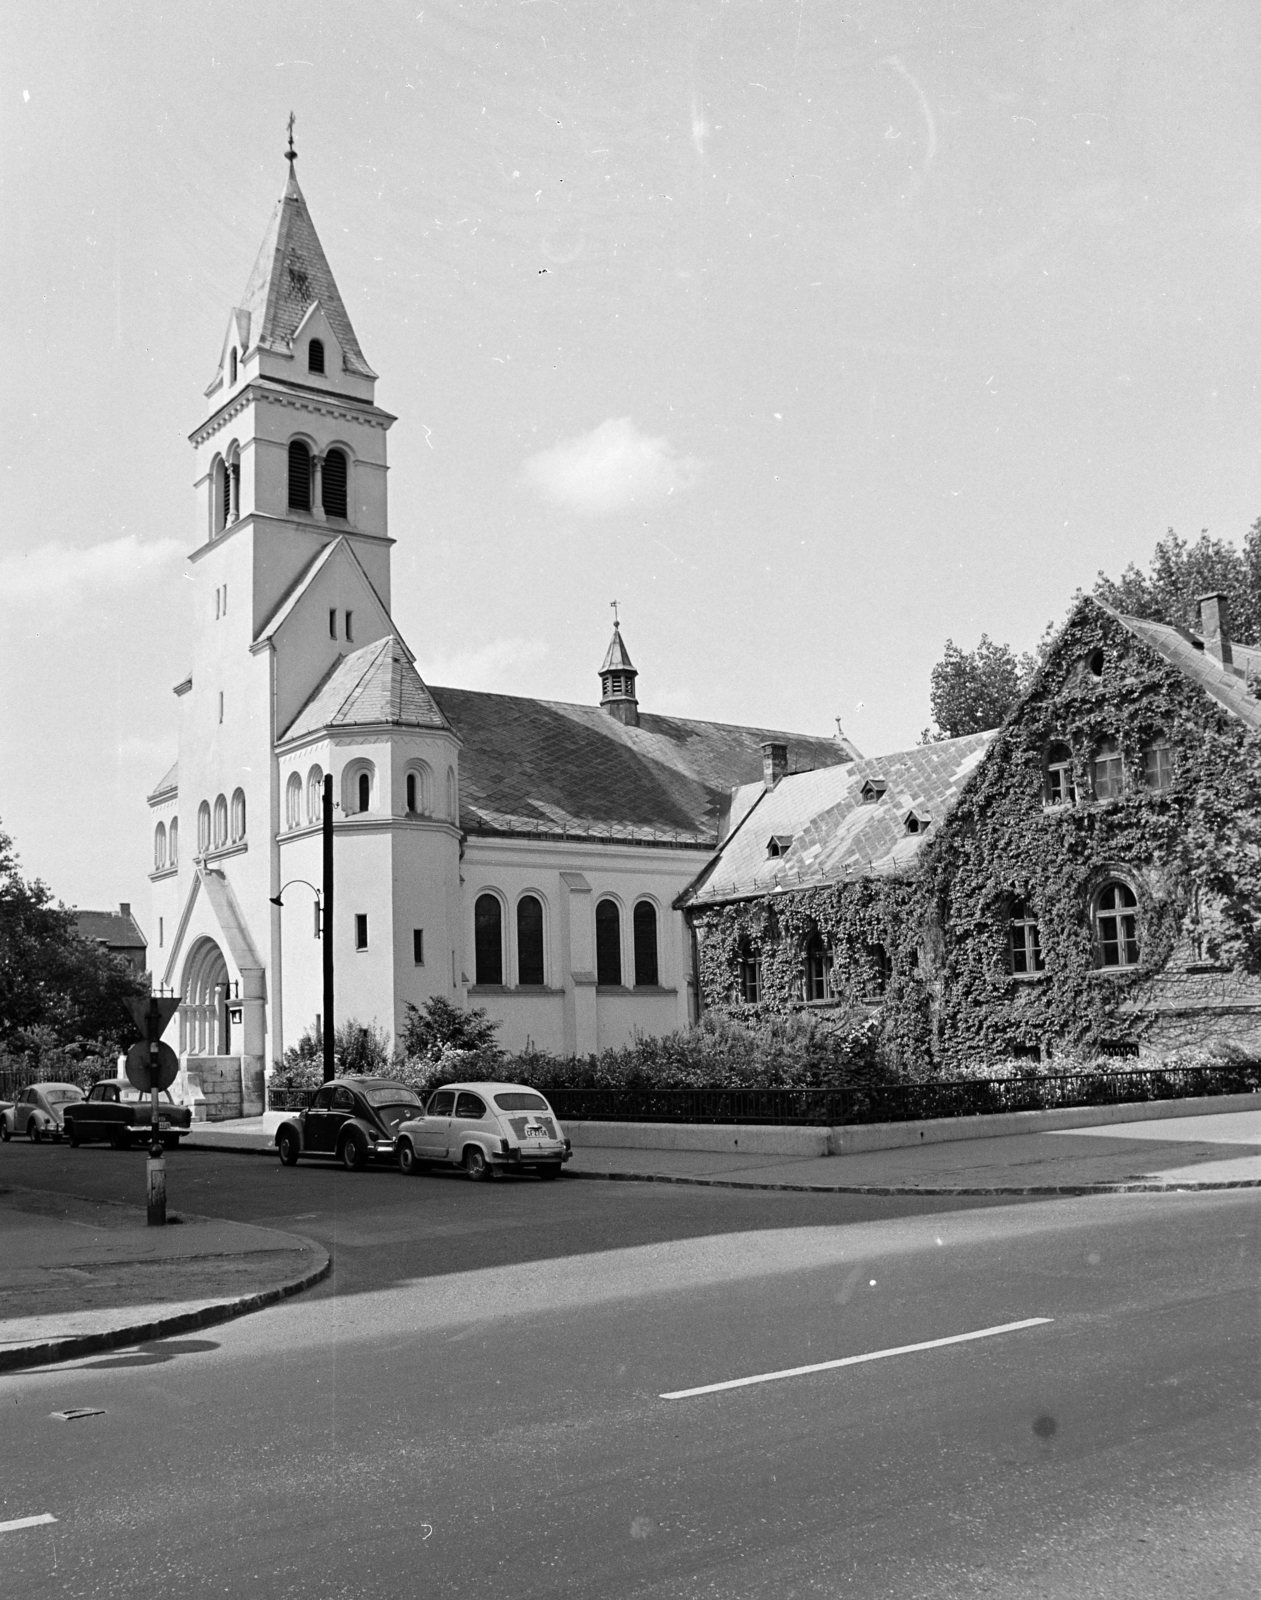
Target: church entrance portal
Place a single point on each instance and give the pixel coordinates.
(205, 1028)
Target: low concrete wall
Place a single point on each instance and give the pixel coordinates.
(756, 1139)
(219, 1079)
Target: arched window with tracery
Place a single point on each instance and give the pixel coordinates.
(293, 801)
(221, 821)
(488, 940)
(333, 479)
(203, 827)
(608, 943)
(238, 815)
(530, 940)
(644, 928)
(1116, 925)
(315, 795)
(299, 476)
(159, 847)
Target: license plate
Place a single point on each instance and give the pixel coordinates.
(536, 1133)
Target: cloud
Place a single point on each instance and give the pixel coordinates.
(490, 666)
(609, 469)
(53, 570)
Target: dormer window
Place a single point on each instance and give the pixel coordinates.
(916, 820)
(872, 790)
(314, 356)
(779, 844)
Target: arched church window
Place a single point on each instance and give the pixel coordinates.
(488, 951)
(232, 486)
(203, 827)
(334, 477)
(299, 476)
(365, 791)
(221, 821)
(530, 940)
(644, 927)
(412, 787)
(608, 943)
(159, 847)
(315, 795)
(218, 496)
(315, 356)
(173, 842)
(238, 815)
(293, 801)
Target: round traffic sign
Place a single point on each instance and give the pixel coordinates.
(138, 1067)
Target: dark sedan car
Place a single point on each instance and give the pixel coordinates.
(351, 1119)
(115, 1111)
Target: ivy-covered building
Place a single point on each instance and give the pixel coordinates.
(1085, 877)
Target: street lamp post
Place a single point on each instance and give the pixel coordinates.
(329, 1070)
(277, 900)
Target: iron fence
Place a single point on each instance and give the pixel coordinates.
(904, 1102)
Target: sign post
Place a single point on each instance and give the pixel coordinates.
(154, 1066)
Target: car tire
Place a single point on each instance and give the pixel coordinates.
(287, 1147)
(409, 1163)
(551, 1170)
(5, 1135)
(72, 1134)
(354, 1152)
(32, 1131)
(476, 1167)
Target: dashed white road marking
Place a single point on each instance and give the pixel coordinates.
(854, 1361)
(26, 1522)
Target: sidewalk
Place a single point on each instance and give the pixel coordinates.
(1198, 1152)
(78, 1276)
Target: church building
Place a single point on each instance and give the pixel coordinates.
(520, 855)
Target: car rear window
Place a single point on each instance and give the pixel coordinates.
(59, 1097)
(521, 1102)
(392, 1094)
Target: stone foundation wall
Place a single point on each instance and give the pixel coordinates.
(219, 1079)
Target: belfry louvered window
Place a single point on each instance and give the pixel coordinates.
(299, 477)
(315, 356)
(334, 476)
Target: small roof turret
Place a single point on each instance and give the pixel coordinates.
(617, 680)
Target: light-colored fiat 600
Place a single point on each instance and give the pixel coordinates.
(484, 1128)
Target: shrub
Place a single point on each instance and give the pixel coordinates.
(357, 1047)
(439, 1026)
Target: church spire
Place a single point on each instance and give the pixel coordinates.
(617, 679)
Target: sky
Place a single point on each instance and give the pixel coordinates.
(814, 334)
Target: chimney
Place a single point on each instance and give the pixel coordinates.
(1215, 626)
(774, 763)
(124, 908)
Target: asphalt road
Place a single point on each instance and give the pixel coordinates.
(476, 1408)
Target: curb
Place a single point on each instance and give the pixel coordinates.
(86, 1344)
(908, 1189)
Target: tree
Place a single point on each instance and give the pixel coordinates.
(54, 984)
(439, 1025)
(972, 690)
(1180, 573)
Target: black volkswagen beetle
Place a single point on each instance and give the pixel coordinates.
(352, 1119)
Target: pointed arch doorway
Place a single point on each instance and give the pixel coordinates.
(205, 1029)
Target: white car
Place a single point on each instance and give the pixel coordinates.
(38, 1111)
(484, 1128)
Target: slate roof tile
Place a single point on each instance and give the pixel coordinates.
(374, 685)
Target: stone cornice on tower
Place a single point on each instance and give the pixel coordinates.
(300, 398)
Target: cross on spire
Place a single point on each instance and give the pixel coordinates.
(613, 603)
(291, 155)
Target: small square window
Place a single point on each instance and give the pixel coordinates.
(418, 946)
(361, 930)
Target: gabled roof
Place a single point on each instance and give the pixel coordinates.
(377, 684)
(550, 768)
(168, 783)
(835, 832)
(617, 657)
(113, 929)
(339, 548)
(289, 275)
(1227, 686)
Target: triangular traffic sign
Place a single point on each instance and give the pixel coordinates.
(145, 1009)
